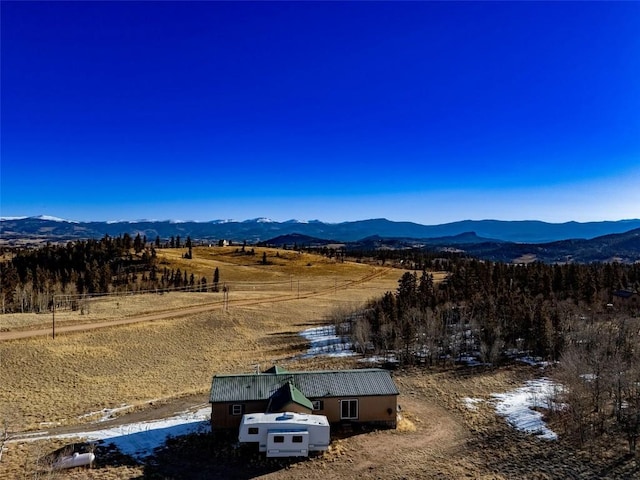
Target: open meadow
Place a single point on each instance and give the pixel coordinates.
(164, 360)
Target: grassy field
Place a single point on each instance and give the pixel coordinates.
(287, 275)
(49, 385)
(48, 382)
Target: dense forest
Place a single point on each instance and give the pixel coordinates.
(486, 308)
(584, 320)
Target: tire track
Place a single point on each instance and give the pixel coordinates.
(186, 311)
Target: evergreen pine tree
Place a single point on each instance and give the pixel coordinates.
(137, 244)
(216, 279)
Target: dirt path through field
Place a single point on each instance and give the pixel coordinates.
(183, 311)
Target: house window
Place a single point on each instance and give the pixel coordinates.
(318, 405)
(349, 409)
(252, 431)
(278, 439)
(236, 409)
(296, 439)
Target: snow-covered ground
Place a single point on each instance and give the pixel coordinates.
(324, 341)
(472, 403)
(517, 406)
(140, 439)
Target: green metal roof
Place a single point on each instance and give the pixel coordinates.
(286, 394)
(318, 384)
(275, 369)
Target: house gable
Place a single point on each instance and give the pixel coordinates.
(286, 396)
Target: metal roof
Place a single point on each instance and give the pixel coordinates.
(318, 384)
(286, 394)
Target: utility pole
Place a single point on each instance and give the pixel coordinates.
(53, 317)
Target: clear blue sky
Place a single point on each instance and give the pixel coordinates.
(427, 112)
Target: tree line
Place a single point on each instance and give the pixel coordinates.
(491, 313)
(32, 278)
(484, 309)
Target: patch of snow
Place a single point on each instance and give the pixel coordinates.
(517, 406)
(325, 342)
(533, 361)
(259, 220)
(106, 413)
(472, 403)
(139, 440)
(52, 219)
(470, 361)
(379, 359)
(589, 377)
(2, 219)
(33, 434)
(219, 222)
(139, 220)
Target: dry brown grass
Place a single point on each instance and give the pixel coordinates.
(44, 381)
(47, 380)
(288, 274)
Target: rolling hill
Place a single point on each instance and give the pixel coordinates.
(260, 229)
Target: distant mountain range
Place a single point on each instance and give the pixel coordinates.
(490, 239)
(619, 247)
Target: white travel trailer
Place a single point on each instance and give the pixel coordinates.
(285, 434)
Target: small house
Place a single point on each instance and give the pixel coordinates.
(343, 396)
(285, 434)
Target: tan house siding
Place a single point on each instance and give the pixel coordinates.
(295, 408)
(378, 409)
(222, 419)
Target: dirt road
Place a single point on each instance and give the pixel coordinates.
(53, 330)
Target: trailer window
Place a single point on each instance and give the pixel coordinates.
(252, 431)
(296, 439)
(278, 439)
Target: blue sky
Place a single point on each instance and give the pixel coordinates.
(418, 111)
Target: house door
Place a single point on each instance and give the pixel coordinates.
(349, 409)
